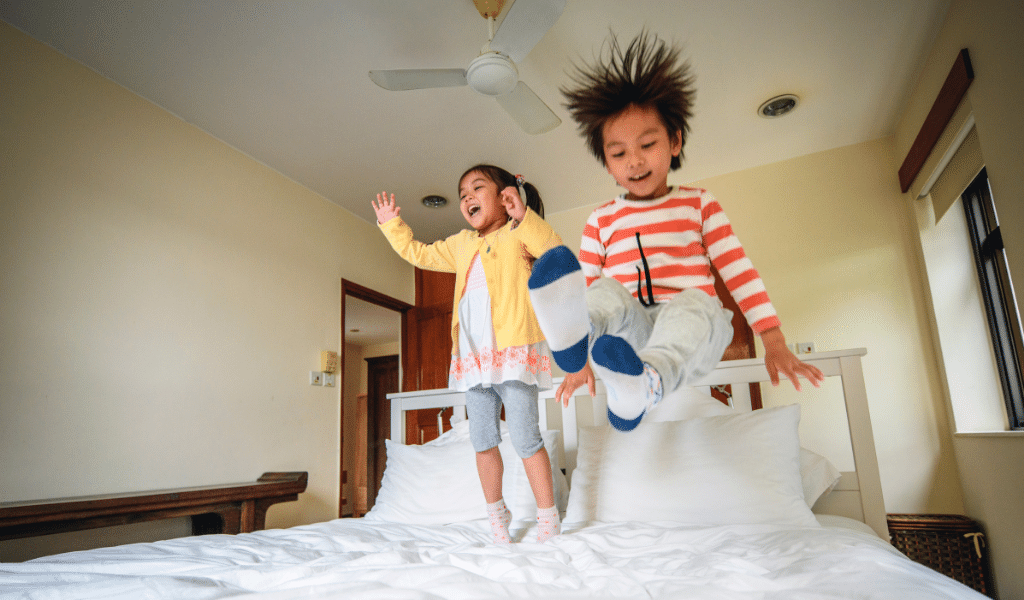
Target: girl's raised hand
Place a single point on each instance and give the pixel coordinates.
(513, 203)
(386, 209)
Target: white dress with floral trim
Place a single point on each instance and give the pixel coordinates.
(479, 361)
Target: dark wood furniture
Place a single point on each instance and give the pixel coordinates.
(430, 349)
(233, 508)
(946, 103)
(381, 380)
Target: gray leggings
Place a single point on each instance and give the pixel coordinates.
(483, 405)
(683, 339)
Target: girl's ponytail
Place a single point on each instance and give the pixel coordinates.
(530, 196)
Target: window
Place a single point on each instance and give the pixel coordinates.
(997, 294)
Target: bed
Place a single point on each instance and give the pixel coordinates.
(703, 500)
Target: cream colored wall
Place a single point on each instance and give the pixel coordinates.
(829, 237)
(991, 466)
(163, 298)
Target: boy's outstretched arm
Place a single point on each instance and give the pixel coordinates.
(779, 359)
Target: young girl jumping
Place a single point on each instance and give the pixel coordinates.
(499, 355)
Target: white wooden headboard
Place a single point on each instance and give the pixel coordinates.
(858, 494)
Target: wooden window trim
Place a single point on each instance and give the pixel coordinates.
(949, 98)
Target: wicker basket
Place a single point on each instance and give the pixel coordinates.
(953, 545)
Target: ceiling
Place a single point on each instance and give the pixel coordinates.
(286, 83)
(368, 324)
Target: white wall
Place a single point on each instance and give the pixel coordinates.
(964, 343)
(162, 298)
(991, 465)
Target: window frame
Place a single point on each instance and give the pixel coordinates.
(997, 294)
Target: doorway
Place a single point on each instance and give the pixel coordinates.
(381, 379)
(425, 352)
(382, 323)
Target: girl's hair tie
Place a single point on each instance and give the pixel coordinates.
(520, 180)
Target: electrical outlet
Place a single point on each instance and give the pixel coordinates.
(316, 378)
(328, 379)
(804, 347)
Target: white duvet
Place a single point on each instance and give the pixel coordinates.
(354, 558)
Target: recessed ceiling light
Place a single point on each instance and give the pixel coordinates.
(778, 106)
(434, 201)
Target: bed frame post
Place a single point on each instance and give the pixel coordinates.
(397, 422)
(862, 440)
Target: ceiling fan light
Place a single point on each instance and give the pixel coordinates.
(778, 106)
(492, 74)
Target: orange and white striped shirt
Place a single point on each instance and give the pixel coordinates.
(661, 247)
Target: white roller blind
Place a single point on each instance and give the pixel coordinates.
(963, 167)
(953, 162)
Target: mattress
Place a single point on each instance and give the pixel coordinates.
(357, 558)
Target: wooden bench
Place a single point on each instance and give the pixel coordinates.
(232, 508)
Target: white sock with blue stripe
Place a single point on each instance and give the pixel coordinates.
(558, 292)
(633, 385)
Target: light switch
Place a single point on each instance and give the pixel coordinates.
(328, 379)
(316, 378)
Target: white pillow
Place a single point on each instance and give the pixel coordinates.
(437, 482)
(737, 468)
(687, 403)
(523, 505)
(818, 475)
(429, 485)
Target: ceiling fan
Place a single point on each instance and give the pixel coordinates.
(494, 72)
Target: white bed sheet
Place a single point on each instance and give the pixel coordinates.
(354, 558)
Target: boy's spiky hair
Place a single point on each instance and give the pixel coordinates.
(648, 73)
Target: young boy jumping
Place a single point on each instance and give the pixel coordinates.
(641, 298)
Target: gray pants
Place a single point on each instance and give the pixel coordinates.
(483, 407)
(683, 339)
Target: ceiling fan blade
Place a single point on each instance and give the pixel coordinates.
(417, 79)
(524, 25)
(528, 110)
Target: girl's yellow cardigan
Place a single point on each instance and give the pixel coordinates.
(504, 255)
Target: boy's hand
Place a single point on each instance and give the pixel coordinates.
(778, 358)
(513, 204)
(573, 382)
(385, 209)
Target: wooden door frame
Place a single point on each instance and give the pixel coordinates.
(354, 290)
(378, 419)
